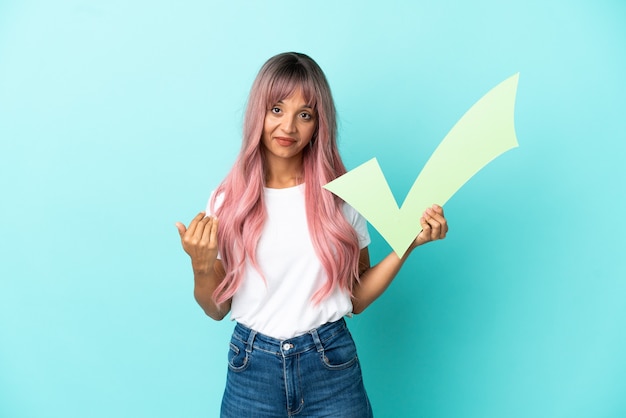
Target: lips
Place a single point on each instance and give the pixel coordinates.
(284, 141)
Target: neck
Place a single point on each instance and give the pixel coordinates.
(283, 174)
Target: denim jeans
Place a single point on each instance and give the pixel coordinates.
(313, 375)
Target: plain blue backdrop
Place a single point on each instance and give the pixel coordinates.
(118, 118)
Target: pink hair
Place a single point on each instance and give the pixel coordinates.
(242, 213)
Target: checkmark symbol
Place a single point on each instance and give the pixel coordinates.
(485, 131)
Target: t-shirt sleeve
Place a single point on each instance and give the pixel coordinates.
(359, 224)
(218, 203)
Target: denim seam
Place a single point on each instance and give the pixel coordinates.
(299, 391)
(244, 366)
(276, 352)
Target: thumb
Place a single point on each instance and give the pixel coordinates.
(181, 229)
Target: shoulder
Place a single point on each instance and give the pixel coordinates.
(350, 213)
(216, 199)
(359, 224)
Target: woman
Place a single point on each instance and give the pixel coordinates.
(287, 258)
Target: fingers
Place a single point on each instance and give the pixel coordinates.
(199, 240)
(436, 221)
(209, 234)
(424, 235)
(181, 229)
(193, 225)
(202, 229)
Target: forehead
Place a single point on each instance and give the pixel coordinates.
(296, 99)
(292, 88)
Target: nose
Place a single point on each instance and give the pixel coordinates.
(289, 124)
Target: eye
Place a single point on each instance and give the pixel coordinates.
(275, 110)
(306, 116)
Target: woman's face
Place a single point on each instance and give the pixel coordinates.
(288, 128)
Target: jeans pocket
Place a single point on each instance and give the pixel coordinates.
(238, 357)
(339, 353)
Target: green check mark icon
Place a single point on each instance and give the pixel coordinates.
(485, 131)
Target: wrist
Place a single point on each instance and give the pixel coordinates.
(201, 269)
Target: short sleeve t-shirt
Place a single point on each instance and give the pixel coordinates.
(281, 306)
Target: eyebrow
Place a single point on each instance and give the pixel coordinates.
(306, 106)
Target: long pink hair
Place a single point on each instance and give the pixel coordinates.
(242, 213)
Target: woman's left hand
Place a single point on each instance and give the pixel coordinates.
(434, 226)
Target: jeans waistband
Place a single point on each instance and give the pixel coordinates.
(312, 340)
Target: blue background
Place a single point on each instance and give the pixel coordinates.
(118, 118)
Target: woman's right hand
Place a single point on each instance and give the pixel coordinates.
(199, 240)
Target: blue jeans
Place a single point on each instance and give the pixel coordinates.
(313, 375)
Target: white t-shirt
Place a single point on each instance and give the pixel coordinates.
(282, 306)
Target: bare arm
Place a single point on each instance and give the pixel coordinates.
(200, 242)
(375, 280)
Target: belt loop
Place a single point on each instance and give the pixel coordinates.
(316, 340)
(250, 341)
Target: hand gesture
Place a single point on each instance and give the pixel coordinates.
(434, 226)
(200, 241)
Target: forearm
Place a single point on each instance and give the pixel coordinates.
(376, 280)
(200, 243)
(205, 283)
